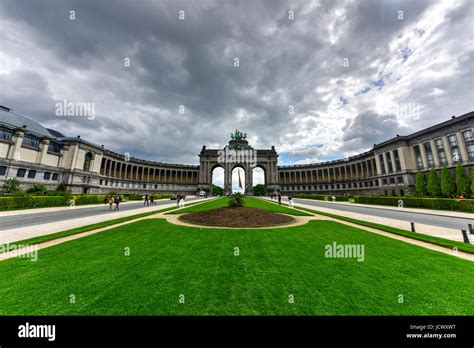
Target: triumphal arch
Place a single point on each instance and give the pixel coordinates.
(238, 154)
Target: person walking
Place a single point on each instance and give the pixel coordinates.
(290, 201)
(279, 198)
(146, 201)
(111, 202)
(117, 202)
(152, 200)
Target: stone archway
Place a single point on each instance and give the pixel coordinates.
(238, 152)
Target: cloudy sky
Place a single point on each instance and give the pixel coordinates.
(318, 79)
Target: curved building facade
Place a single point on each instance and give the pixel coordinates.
(36, 155)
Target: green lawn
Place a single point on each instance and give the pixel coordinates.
(168, 260)
(249, 202)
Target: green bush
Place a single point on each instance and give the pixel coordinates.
(433, 184)
(37, 190)
(321, 197)
(461, 180)
(446, 182)
(420, 186)
(466, 205)
(236, 200)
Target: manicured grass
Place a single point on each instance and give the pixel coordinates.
(249, 202)
(168, 260)
(469, 248)
(40, 239)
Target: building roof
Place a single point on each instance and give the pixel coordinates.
(441, 125)
(13, 120)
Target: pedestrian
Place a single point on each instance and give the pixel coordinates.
(181, 201)
(178, 197)
(111, 202)
(146, 202)
(279, 198)
(290, 201)
(117, 202)
(152, 200)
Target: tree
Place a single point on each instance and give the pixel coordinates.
(446, 182)
(259, 190)
(420, 186)
(433, 183)
(472, 182)
(461, 180)
(217, 190)
(12, 186)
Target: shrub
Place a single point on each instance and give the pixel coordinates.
(236, 200)
(461, 180)
(420, 187)
(12, 185)
(433, 183)
(37, 190)
(446, 182)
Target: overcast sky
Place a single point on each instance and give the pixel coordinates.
(319, 80)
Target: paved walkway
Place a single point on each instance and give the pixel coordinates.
(29, 224)
(433, 225)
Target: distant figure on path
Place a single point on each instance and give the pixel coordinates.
(290, 201)
(279, 198)
(146, 202)
(152, 200)
(111, 202)
(117, 202)
(181, 201)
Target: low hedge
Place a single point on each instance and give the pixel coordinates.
(20, 202)
(321, 197)
(466, 205)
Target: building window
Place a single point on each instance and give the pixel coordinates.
(392, 181)
(419, 160)
(382, 163)
(400, 179)
(55, 176)
(398, 166)
(3, 170)
(101, 182)
(469, 140)
(5, 134)
(453, 143)
(31, 174)
(87, 161)
(389, 162)
(54, 148)
(384, 181)
(46, 175)
(429, 155)
(21, 172)
(31, 142)
(441, 153)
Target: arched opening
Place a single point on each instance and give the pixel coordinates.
(238, 179)
(258, 180)
(87, 161)
(217, 181)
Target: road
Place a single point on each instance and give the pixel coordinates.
(456, 223)
(30, 218)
